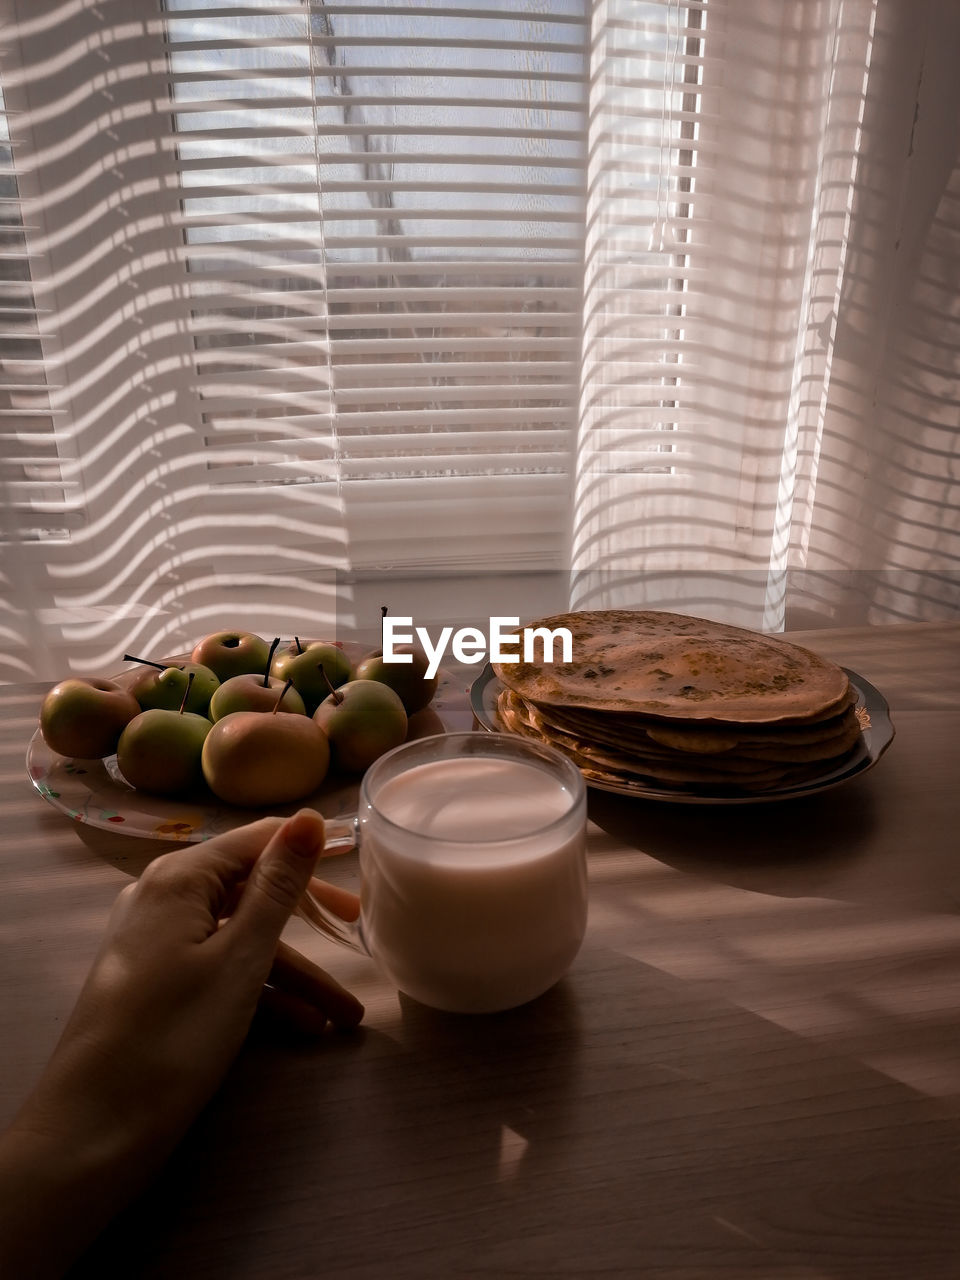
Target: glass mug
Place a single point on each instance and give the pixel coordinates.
(473, 867)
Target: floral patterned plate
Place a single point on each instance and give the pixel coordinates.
(94, 791)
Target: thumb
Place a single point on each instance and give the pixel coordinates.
(279, 877)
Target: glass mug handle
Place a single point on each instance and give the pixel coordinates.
(342, 835)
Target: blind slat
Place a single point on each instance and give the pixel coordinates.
(369, 211)
(190, 13)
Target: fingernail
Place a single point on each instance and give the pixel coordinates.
(304, 833)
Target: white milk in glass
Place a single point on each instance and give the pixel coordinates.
(474, 891)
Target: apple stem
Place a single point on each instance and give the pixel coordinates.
(296, 641)
(161, 666)
(186, 692)
(383, 614)
(266, 674)
(334, 693)
(276, 705)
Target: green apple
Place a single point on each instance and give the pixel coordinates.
(161, 686)
(254, 693)
(253, 759)
(362, 719)
(83, 718)
(408, 679)
(160, 751)
(310, 666)
(232, 653)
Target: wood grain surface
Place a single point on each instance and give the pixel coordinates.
(753, 1069)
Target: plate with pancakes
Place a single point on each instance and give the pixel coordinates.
(664, 706)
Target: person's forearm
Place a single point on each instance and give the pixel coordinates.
(56, 1197)
(162, 1014)
(61, 1184)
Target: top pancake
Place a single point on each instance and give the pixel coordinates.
(669, 666)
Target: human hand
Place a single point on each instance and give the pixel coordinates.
(167, 1003)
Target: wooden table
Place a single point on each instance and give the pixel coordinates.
(753, 1069)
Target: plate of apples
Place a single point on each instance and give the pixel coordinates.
(186, 746)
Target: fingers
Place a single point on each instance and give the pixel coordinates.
(216, 866)
(255, 876)
(181, 895)
(341, 902)
(283, 1016)
(278, 878)
(232, 853)
(297, 978)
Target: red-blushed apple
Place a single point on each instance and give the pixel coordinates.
(159, 751)
(362, 719)
(310, 666)
(408, 679)
(232, 653)
(83, 718)
(255, 759)
(254, 693)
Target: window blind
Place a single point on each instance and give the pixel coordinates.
(383, 216)
(317, 272)
(293, 289)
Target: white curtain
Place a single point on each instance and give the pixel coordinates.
(625, 303)
(805, 377)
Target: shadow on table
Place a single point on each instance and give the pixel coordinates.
(626, 1124)
(791, 848)
(129, 854)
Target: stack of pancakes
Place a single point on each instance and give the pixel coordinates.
(663, 701)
